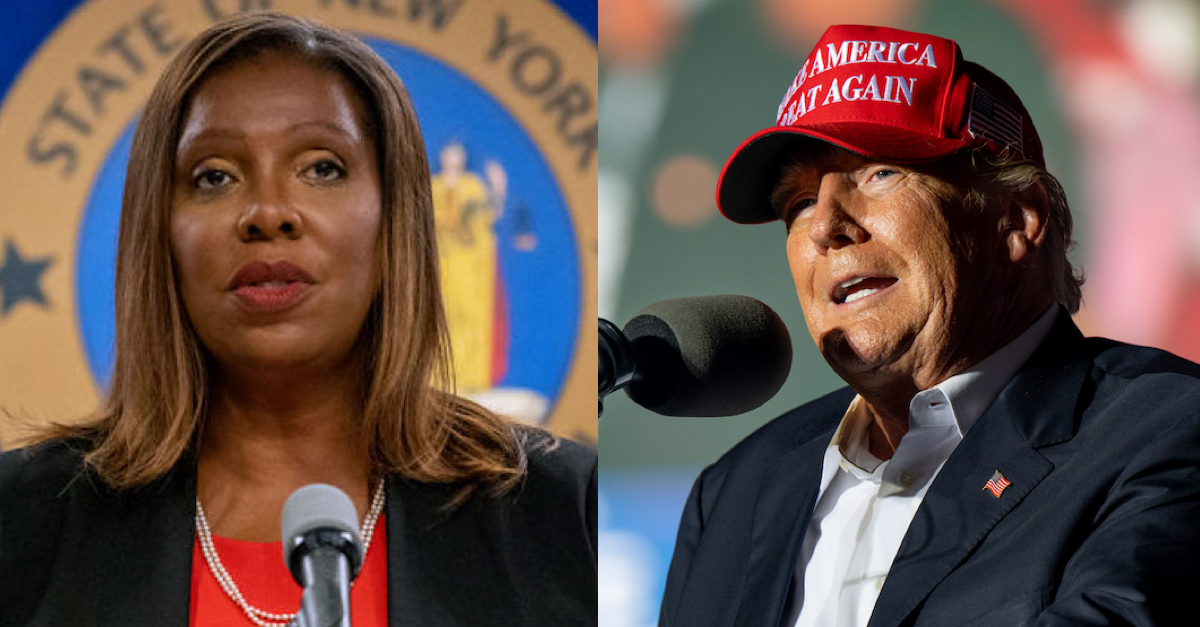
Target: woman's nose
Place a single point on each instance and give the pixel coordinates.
(269, 215)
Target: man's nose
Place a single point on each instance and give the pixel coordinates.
(832, 224)
(269, 214)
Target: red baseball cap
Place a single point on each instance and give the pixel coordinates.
(889, 94)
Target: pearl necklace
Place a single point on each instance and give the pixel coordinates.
(261, 617)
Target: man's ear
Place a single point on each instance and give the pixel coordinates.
(1028, 214)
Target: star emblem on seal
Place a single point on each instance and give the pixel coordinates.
(21, 279)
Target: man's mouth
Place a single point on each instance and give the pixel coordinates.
(860, 287)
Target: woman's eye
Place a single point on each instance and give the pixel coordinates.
(209, 179)
(327, 170)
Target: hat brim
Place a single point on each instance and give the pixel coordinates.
(752, 171)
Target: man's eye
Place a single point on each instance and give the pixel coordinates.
(327, 170)
(797, 208)
(209, 179)
(802, 204)
(880, 175)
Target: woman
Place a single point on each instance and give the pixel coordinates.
(279, 324)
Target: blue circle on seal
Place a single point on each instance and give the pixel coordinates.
(541, 284)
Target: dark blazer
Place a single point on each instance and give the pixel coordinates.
(1101, 525)
(74, 553)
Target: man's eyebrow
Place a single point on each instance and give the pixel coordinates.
(785, 186)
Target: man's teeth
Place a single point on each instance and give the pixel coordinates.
(855, 281)
(860, 294)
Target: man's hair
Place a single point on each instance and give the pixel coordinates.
(985, 175)
(980, 177)
(155, 410)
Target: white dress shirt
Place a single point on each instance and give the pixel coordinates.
(865, 505)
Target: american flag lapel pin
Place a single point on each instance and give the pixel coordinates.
(997, 484)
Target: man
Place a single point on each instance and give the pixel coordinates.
(987, 464)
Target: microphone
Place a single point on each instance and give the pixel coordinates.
(323, 550)
(700, 356)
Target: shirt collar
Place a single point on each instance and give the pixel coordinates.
(971, 392)
(850, 440)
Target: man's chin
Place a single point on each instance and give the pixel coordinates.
(852, 359)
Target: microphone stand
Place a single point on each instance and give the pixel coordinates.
(615, 366)
(326, 600)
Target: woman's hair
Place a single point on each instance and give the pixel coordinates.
(155, 410)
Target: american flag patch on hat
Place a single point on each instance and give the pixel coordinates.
(994, 120)
(996, 484)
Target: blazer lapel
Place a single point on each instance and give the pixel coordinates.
(781, 513)
(416, 553)
(131, 555)
(958, 512)
(1035, 410)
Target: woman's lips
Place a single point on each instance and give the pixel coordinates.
(271, 287)
(272, 296)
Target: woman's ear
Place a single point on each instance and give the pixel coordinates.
(1028, 213)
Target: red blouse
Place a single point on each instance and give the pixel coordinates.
(258, 570)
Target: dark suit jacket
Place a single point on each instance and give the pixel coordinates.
(73, 553)
(1101, 525)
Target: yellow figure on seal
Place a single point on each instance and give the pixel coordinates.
(466, 209)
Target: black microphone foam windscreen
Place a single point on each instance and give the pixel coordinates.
(707, 355)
